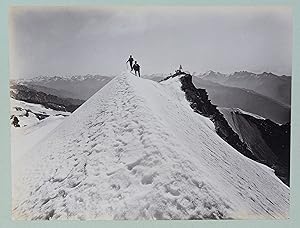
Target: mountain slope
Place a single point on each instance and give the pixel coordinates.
(269, 141)
(250, 101)
(23, 93)
(59, 93)
(136, 150)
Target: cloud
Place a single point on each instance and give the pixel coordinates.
(79, 40)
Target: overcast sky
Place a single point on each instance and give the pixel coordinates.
(98, 40)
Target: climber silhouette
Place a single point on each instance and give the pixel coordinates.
(136, 68)
(179, 70)
(180, 67)
(130, 60)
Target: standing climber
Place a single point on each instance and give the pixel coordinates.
(130, 60)
(136, 68)
(180, 68)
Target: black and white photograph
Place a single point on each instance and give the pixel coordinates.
(150, 112)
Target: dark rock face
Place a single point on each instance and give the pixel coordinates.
(200, 103)
(15, 121)
(277, 137)
(24, 93)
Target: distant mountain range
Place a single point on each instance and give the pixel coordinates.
(266, 83)
(265, 94)
(246, 99)
(76, 87)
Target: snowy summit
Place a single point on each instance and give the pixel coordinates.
(137, 150)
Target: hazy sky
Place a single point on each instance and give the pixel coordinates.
(98, 40)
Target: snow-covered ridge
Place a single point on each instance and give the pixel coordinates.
(136, 150)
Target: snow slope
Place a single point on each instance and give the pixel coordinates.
(32, 129)
(136, 150)
(268, 141)
(249, 133)
(18, 108)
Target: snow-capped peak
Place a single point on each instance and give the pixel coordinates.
(46, 79)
